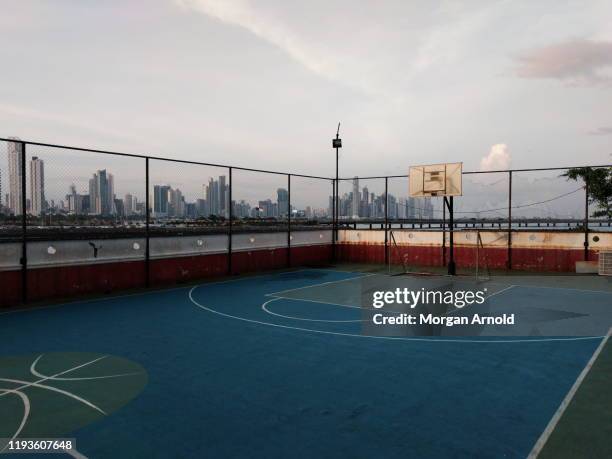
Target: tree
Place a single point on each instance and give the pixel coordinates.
(599, 185)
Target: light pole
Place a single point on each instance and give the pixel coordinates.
(337, 144)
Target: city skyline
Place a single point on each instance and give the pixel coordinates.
(485, 195)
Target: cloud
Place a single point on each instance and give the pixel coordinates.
(604, 130)
(52, 117)
(241, 13)
(498, 158)
(575, 62)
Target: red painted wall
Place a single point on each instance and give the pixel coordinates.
(361, 253)
(185, 269)
(67, 281)
(70, 281)
(561, 260)
(10, 288)
(493, 257)
(416, 256)
(531, 259)
(258, 260)
(315, 255)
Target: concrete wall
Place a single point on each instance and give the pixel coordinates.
(534, 250)
(58, 269)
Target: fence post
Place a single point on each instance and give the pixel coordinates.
(24, 227)
(443, 234)
(509, 262)
(386, 220)
(586, 219)
(288, 220)
(337, 207)
(230, 228)
(333, 209)
(147, 235)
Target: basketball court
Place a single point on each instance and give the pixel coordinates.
(277, 363)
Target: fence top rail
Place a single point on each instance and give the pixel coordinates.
(501, 171)
(158, 158)
(200, 163)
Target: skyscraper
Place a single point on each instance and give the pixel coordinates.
(160, 200)
(223, 210)
(101, 194)
(176, 200)
(217, 196)
(356, 196)
(37, 186)
(282, 202)
(14, 163)
(128, 204)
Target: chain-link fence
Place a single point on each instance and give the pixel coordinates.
(115, 221)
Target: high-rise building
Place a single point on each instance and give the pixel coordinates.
(356, 198)
(241, 209)
(217, 197)
(102, 194)
(176, 201)
(212, 196)
(37, 186)
(128, 205)
(14, 163)
(202, 208)
(160, 200)
(223, 209)
(282, 200)
(268, 209)
(118, 208)
(77, 203)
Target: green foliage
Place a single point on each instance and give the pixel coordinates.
(600, 187)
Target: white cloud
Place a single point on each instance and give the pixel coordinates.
(241, 13)
(603, 130)
(576, 62)
(498, 158)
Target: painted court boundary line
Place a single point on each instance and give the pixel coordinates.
(319, 285)
(264, 307)
(539, 445)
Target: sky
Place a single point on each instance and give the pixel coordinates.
(263, 84)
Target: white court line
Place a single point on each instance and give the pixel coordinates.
(500, 291)
(26, 384)
(56, 378)
(353, 335)
(321, 284)
(264, 307)
(74, 453)
(332, 304)
(537, 448)
(24, 418)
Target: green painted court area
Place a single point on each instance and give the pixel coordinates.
(586, 426)
(277, 365)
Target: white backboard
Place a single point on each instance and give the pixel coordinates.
(436, 180)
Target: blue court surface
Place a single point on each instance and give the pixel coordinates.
(264, 366)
